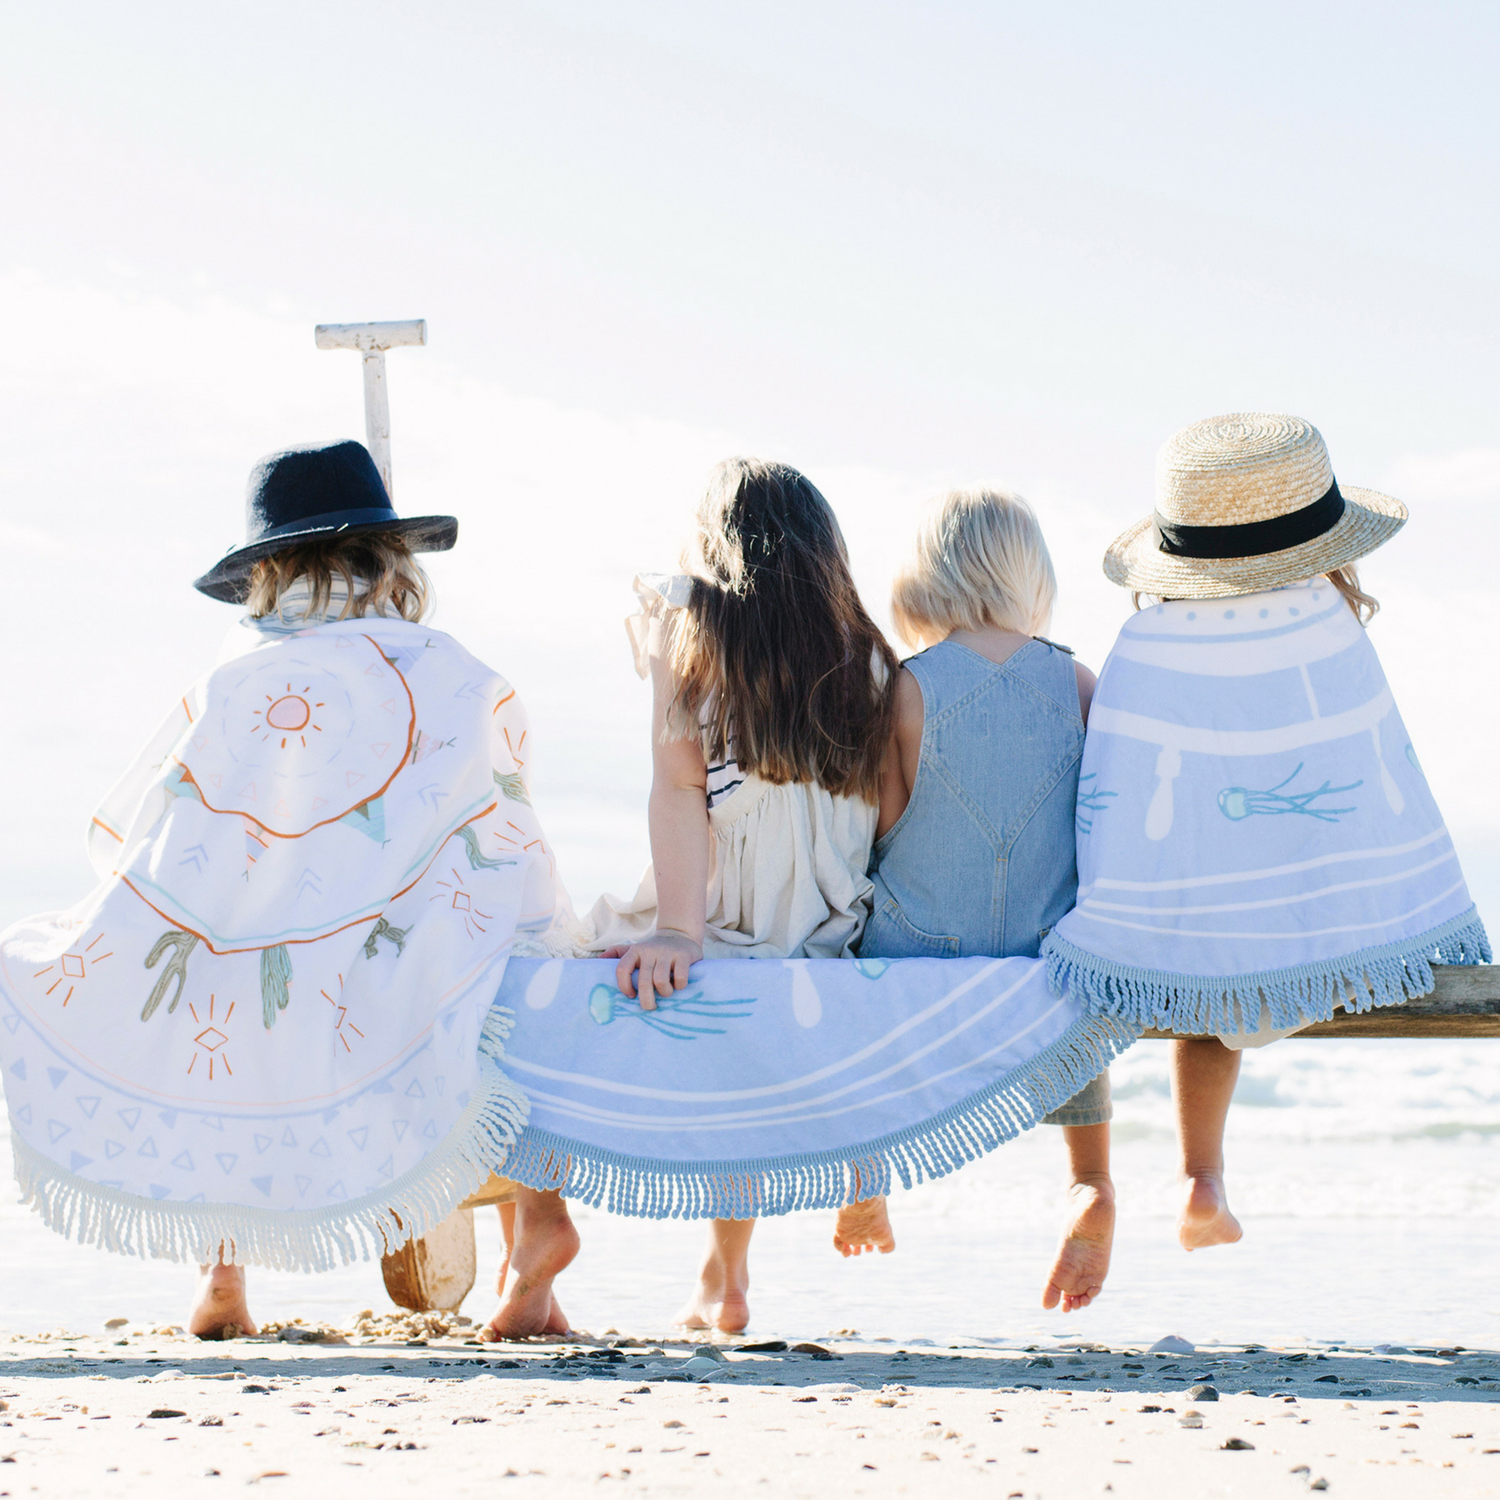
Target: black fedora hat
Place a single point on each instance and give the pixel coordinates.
(326, 489)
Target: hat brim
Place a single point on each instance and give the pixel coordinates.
(229, 579)
(1135, 560)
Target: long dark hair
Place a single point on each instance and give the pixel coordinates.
(776, 660)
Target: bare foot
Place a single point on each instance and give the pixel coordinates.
(545, 1245)
(720, 1299)
(864, 1226)
(1206, 1219)
(723, 1307)
(220, 1305)
(1082, 1263)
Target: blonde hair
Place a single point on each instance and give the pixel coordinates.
(979, 560)
(377, 569)
(1345, 580)
(777, 662)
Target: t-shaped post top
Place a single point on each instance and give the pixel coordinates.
(372, 340)
(369, 337)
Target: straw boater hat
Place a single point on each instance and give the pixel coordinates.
(1247, 502)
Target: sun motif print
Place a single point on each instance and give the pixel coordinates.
(292, 753)
(210, 1041)
(71, 969)
(458, 896)
(290, 715)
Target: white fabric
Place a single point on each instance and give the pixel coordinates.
(264, 1023)
(787, 863)
(786, 878)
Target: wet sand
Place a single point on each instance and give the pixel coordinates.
(407, 1407)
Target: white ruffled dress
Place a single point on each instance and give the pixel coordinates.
(787, 868)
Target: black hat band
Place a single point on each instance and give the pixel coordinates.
(336, 520)
(1252, 538)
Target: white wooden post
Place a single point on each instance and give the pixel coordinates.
(378, 415)
(372, 340)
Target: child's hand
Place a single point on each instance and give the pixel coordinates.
(664, 959)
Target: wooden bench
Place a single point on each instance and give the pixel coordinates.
(438, 1271)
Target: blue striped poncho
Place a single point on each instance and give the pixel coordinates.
(1256, 840)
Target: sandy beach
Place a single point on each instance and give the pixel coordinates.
(412, 1406)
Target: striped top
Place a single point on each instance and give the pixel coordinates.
(724, 778)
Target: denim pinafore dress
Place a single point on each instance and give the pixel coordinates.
(982, 862)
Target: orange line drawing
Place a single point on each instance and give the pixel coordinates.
(177, 922)
(458, 895)
(210, 1040)
(411, 735)
(343, 1017)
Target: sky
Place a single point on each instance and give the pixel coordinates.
(900, 246)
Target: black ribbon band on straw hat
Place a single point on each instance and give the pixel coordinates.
(1252, 538)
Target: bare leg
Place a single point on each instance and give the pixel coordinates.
(508, 1236)
(1203, 1078)
(545, 1244)
(507, 1211)
(1082, 1260)
(220, 1305)
(719, 1300)
(864, 1226)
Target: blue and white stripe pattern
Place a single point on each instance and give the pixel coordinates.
(1259, 830)
(767, 1086)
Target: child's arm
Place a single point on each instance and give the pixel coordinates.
(898, 772)
(679, 853)
(1087, 682)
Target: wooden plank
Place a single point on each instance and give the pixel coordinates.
(1466, 1003)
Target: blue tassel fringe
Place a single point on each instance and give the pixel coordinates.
(641, 1187)
(1198, 1005)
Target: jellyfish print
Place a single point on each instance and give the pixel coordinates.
(1238, 802)
(1091, 801)
(607, 1004)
